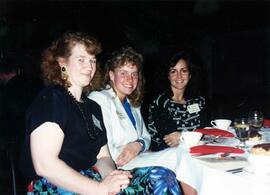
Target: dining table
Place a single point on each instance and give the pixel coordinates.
(211, 173)
(214, 174)
(212, 179)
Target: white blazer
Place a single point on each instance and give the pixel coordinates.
(120, 130)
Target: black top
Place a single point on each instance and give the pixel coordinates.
(79, 151)
(167, 116)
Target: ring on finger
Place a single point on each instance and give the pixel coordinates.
(121, 188)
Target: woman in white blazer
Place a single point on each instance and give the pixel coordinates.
(127, 135)
(120, 130)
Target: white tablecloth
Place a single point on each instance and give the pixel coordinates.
(166, 158)
(208, 180)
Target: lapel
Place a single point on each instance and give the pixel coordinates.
(122, 114)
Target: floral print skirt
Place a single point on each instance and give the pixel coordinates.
(145, 181)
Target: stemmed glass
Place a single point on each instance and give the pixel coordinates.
(255, 120)
(242, 130)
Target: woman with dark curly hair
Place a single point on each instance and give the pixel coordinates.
(65, 145)
(128, 138)
(179, 108)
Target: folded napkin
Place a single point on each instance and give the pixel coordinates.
(224, 164)
(266, 122)
(216, 132)
(211, 149)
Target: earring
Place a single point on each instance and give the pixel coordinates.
(64, 73)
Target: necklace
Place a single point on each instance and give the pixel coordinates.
(82, 113)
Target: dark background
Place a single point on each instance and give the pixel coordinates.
(229, 41)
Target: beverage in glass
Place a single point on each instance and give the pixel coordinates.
(242, 130)
(255, 120)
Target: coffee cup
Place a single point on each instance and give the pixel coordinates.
(221, 123)
(191, 138)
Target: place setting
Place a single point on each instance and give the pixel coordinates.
(242, 148)
(229, 150)
(218, 135)
(251, 130)
(256, 143)
(216, 146)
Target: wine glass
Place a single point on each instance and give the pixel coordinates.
(255, 120)
(242, 130)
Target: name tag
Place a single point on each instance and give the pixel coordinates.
(120, 115)
(193, 108)
(96, 122)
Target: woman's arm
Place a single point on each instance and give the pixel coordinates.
(105, 164)
(134, 148)
(145, 138)
(129, 152)
(155, 124)
(46, 142)
(105, 105)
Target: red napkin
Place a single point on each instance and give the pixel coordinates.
(266, 122)
(210, 149)
(216, 132)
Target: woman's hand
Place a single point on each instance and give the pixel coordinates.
(172, 139)
(129, 152)
(115, 182)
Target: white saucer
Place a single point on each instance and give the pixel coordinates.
(188, 146)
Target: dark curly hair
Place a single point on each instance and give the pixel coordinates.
(62, 47)
(118, 59)
(192, 88)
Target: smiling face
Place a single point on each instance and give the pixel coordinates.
(124, 80)
(80, 66)
(179, 75)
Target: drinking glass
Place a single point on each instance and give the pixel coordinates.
(242, 130)
(255, 120)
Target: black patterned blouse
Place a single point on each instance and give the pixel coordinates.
(167, 116)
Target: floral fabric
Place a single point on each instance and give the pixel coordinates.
(145, 181)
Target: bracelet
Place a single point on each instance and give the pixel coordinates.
(141, 141)
(95, 169)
